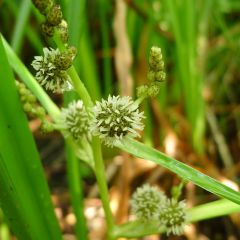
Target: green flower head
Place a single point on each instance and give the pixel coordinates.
(48, 74)
(115, 118)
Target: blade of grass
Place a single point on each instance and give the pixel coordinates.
(205, 211)
(25, 197)
(30, 31)
(20, 25)
(76, 191)
(184, 24)
(105, 30)
(184, 171)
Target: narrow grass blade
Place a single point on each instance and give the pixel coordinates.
(184, 171)
(76, 190)
(20, 25)
(24, 192)
(30, 32)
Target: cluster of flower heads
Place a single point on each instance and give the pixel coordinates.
(29, 102)
(156, 74)
(149, 204)
(111, 119)
(53, 18)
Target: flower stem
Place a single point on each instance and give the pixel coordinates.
(96, 145)
(101, 179)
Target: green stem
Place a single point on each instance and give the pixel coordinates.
(76, 189)
(101, 179)
(96, 145)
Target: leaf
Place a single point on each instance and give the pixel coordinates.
(24, 194)
(184, 171)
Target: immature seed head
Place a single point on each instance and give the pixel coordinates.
(48, 74)
(147, 203)
(75, 120)
(115, 118)
(174, 216)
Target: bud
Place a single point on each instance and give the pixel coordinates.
(64, 60)
(27, 107)
(47, 29)
(54, 15)
(151, 76)
(42, 5)
(155, 59)
(160, 76)
(142, 90)
(153, 90)
(62, 29)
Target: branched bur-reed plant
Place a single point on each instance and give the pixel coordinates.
(86, 125)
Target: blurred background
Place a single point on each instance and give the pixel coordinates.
(195, 118)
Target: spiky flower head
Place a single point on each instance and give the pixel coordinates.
(147, 203)
(116, 118)
(74, 119)
(174, 216)
(48, 74)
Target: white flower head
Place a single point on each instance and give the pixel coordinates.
(115, 118)
(74, 119)
(174, 216)
(147, 203)
(48, 74)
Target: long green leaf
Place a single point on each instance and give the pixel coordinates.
(24, 192)
(184, 171)
(20, 26)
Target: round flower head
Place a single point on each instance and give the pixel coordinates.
(147, 203)
(174, 216)
(115, 118)
(75, 120)
(48, 74)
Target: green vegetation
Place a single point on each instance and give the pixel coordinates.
(162, 71)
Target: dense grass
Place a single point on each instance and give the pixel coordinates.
(197, 104)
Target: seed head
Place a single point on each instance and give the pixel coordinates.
(75, 120)
(174, 216)
(48, 74)
(115, 118)
(147, 203)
